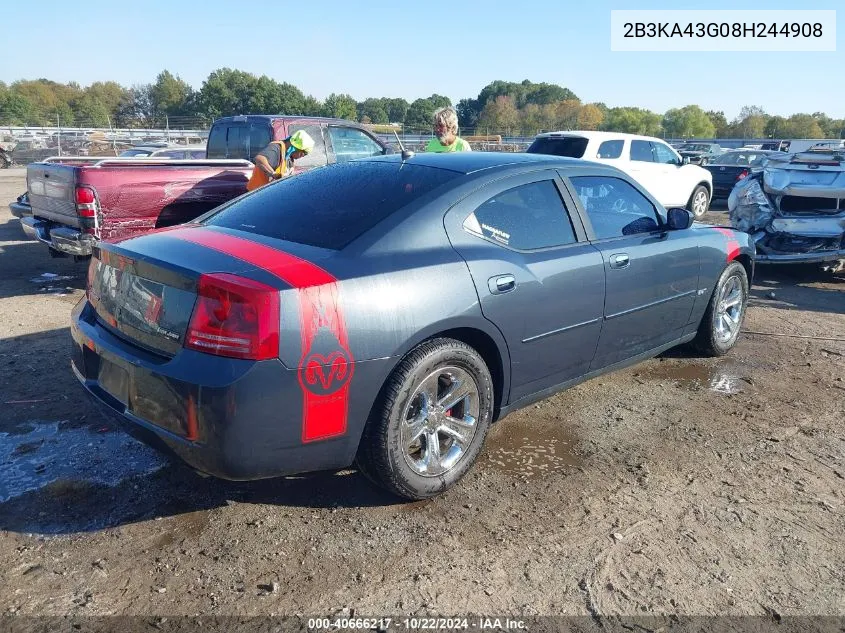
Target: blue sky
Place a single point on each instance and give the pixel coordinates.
(410, 50)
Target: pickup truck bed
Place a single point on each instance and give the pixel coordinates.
(75, 202)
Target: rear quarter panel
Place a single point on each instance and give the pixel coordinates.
(718, 247)
(137, 199)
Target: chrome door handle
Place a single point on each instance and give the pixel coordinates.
(619, 260)
(501, 284)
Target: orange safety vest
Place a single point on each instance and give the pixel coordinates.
(259, 178)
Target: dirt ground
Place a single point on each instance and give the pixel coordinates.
(680, 486)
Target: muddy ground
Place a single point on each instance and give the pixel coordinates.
(683, 485)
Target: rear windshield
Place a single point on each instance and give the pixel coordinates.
(135, 152)
(571, 146)
(331, 206)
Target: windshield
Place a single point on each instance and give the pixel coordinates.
(571, 146)
(331, 206)
(694, 147)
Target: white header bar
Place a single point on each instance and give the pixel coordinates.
(752, 30)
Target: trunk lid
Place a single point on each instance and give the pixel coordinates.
(147, 302)
(51, 190)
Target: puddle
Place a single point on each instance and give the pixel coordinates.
(46, 278)
(61, 460)
(726, 377)
(520, 445)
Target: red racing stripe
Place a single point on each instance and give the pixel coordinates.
(325, 371)
(733, 244)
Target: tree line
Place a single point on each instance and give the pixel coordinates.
(501, 107)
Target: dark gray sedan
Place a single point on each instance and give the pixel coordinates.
(386, 311)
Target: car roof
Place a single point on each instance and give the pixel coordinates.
(283, 117)
(471, 162)
(594, 134)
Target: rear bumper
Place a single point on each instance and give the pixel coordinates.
(61, 238)
(233, 419)
(800, 258)
(20, 210)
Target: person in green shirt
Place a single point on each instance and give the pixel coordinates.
(446, 133)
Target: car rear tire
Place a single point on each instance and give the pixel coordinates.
(699, 201)
(431, 420)
(722, 321)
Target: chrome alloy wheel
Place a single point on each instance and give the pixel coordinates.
(439, 421)
(729, 310)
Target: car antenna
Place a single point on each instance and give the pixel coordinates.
(406, 153)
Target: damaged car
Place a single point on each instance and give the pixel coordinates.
(794, 209)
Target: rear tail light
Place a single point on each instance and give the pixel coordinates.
(742, 174)
(86, 202)
(235, 317)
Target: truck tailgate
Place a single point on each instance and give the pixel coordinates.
(51, 192)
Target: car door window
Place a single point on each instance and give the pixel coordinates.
(610, 149)
(528, 217)
(349, 143)
(641, 151)
(663, 154)
(317, 156)
(615, 207)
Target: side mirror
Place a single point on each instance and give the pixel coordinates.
(678, 219)
(684, 160)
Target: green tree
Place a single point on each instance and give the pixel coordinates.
(499, 115)
(590, 117)
(803, 126)
(311, 106)
(531, 119)
(720, 123)
(90, 111)
(396, 109)
(632, 120)
(751, 122)
(169, 95)
(775, 127)
(227, 92)
(108, 93)
(271, 97)
(688, 122)
(419, 114)
(374, 109)
(340, 106)
(15, 109)
(468, 112)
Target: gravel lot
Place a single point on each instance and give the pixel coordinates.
(682, 485)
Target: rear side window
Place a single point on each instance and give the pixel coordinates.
(528, 217)
(571, 146)
(641, 151)
(615, 207)
(330, 207)
(610, 149)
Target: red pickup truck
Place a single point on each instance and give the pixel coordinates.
(71, 203)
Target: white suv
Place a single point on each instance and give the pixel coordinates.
(648, 160)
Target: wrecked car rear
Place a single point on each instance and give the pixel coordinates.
(794, 208)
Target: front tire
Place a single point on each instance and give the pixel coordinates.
(722, 321)
(699, 202)
(428, 428)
